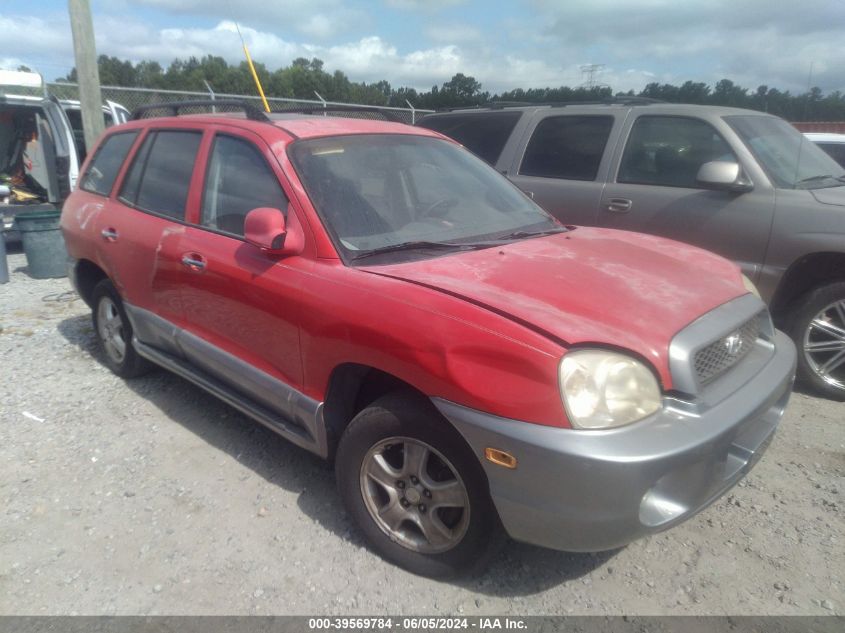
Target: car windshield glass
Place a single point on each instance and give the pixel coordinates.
(790, 160)
(379, 192)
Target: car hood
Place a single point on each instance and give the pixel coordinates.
(589, 285)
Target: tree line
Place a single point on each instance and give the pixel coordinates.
(303, 77)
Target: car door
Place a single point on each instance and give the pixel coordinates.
(241, 305)
(141, 229)
(565, 162)
(655, 190)
(64, 145)
(119, 113)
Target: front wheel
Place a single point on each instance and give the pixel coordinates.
(819, 333)
(416, 490)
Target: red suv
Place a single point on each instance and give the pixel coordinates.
(379, 296)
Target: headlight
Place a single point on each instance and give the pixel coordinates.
(603, 389)
(750, 287)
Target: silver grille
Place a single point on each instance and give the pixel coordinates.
(722, 354)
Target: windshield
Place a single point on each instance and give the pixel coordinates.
(391, 193)
(790, 160)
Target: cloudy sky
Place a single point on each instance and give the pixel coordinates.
(419, 43)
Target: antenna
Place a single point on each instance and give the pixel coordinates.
(252, 70)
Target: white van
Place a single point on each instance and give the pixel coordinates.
(41, 149)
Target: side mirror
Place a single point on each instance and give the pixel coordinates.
(266, 228)
(724, 175)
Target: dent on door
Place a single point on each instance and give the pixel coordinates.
(157, 323)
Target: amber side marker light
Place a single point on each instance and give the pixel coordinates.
(500, 458)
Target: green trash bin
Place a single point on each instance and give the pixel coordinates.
(43, 244)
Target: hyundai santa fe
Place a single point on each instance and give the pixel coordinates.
(381, 297)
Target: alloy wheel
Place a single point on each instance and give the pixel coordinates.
(824, 344)
(415, 495)
(110, 330)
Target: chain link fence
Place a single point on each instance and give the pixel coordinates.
(132, 98)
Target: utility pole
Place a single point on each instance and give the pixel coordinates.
(590, 71)
(85, 54)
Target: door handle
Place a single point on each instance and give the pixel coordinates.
(109, 234)
(194, 261)
(620, 205)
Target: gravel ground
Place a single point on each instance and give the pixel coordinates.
(152, 497)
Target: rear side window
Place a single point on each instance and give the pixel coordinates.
(835, 151)
(160, 176)
(669, 151)
(238, 180)
(484, 135)
(101, 173)
(569, 147)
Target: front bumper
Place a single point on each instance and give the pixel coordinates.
(596, 490)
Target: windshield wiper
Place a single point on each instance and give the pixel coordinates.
(811, 179)
(537, 233)
(419, 245)
(458, 246)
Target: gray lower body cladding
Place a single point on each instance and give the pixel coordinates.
(598, 490)
(255, 393)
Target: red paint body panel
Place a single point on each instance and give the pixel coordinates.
(616, 288)
(444, 346)
(485, 329)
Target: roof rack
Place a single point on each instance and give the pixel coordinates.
(318, 109)
(249, 110)
(501, 105)
(256, 114)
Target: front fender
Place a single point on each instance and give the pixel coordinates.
(439, 344)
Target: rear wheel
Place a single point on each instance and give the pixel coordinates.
(416, 490)
(819, 332)
(114, 332)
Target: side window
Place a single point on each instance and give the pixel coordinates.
(101, 173)
(835, 151)
(567, 147)
(484, 134)
(237, 180)
(670, 150)
(160, 176)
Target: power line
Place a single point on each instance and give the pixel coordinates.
(588, 74)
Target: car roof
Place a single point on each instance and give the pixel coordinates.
(298, 125)
(657, 106)
(310, 126)
(15, 99)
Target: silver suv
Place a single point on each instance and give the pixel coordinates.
(741, 183)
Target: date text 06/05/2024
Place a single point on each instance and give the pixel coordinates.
(416, 623)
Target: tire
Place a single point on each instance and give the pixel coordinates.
(818, 329)
(403, 438)
(114, 333)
